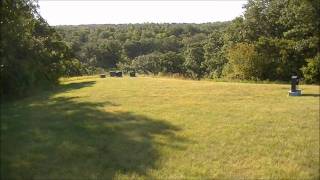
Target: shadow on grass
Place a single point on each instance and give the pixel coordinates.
(311, 95)
(62, 138)
(74, 86)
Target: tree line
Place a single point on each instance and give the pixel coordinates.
(271, 41)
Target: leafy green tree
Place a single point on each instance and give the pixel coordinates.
(170, 43)
(109, 54)
(235, 32)
(214, 55)
(171, 62)
(83, 38)
(74, 67)
(285, 33)
(175, 30)
(194, 60)
(31, 51)
(281, 58)
(132, 49)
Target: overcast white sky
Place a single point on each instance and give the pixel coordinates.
(120, 12)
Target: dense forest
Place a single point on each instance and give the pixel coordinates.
(271, 41)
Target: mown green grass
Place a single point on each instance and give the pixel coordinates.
(161, 128)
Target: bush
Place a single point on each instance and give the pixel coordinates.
(244, 62)
(311, 72)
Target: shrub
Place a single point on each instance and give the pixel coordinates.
(311, 72)
(244, 62)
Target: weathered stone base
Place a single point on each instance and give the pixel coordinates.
(295, 93)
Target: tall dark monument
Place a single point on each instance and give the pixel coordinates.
(294, 91)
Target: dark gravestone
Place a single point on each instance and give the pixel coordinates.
(132, 74)
(102, 75)
(119, 74)
(294, 83)
(113, 74)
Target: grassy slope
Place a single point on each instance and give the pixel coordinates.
(162, 128)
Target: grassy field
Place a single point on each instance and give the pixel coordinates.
(163, 129)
